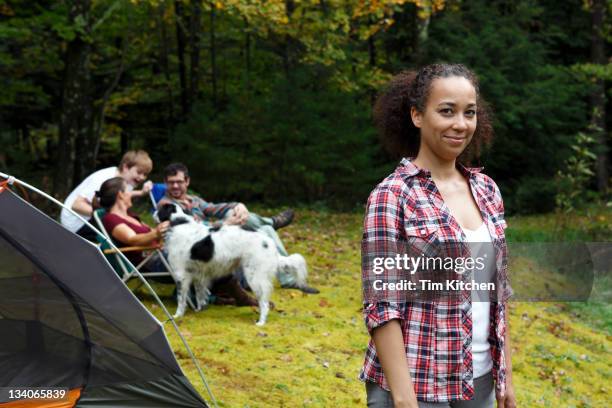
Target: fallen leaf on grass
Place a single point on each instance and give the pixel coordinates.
(282, 387)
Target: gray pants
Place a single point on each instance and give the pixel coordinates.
(263, 225)
(484, 396)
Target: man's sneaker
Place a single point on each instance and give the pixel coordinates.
(283, 219)
(306, 289)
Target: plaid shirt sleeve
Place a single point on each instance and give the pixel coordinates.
(212, 210)
(381, 230)
(379, 313)
(500, 221)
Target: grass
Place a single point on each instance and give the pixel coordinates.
(310, 351)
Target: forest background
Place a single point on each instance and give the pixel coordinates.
(270, 101)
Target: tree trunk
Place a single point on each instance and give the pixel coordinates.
(180, 40)
(283, 175)
(98, 117)
(165, 66)
(75, 125)
(371, 47)
(247, 55)
(213, 55)
(598, 95)
(195, 27)
(372, 61)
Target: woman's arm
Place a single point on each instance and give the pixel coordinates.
(389, 343)
(507, 400)
(125, 234)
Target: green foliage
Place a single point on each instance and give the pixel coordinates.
(293, 143)
(573, 180)
(533, 195)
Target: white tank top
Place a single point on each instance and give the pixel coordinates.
(481, 353)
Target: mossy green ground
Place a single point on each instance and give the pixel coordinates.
(310, 351)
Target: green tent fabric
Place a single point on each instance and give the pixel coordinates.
(67, 320)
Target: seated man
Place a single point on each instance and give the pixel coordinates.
(134, 168)
(176, 177)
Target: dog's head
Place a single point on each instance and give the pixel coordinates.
(173, 213)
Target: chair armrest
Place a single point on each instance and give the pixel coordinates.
(132, 249)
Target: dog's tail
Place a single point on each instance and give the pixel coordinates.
(295, 265)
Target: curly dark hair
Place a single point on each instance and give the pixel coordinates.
(411, 88)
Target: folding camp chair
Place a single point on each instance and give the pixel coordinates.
(157, 193)
(126, 270)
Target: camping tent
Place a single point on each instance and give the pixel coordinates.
(67, 320)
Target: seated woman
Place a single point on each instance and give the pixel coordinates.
(125, 227)
(127, 230)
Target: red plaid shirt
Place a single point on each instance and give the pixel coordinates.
(437, 335)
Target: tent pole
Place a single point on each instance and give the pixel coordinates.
(12, 180)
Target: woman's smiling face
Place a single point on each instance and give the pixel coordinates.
(125, 196)
(449, 118)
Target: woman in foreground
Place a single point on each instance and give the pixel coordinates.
(435, 354)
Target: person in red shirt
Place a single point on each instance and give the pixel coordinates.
(125, 226)
(421, 353)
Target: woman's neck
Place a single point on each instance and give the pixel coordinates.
(119, 208)
(440, 169)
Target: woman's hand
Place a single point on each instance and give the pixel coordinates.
(406, 404)
(508, 399)
(161, 228)
(389, 342)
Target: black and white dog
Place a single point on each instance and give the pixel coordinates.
(199, 254)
